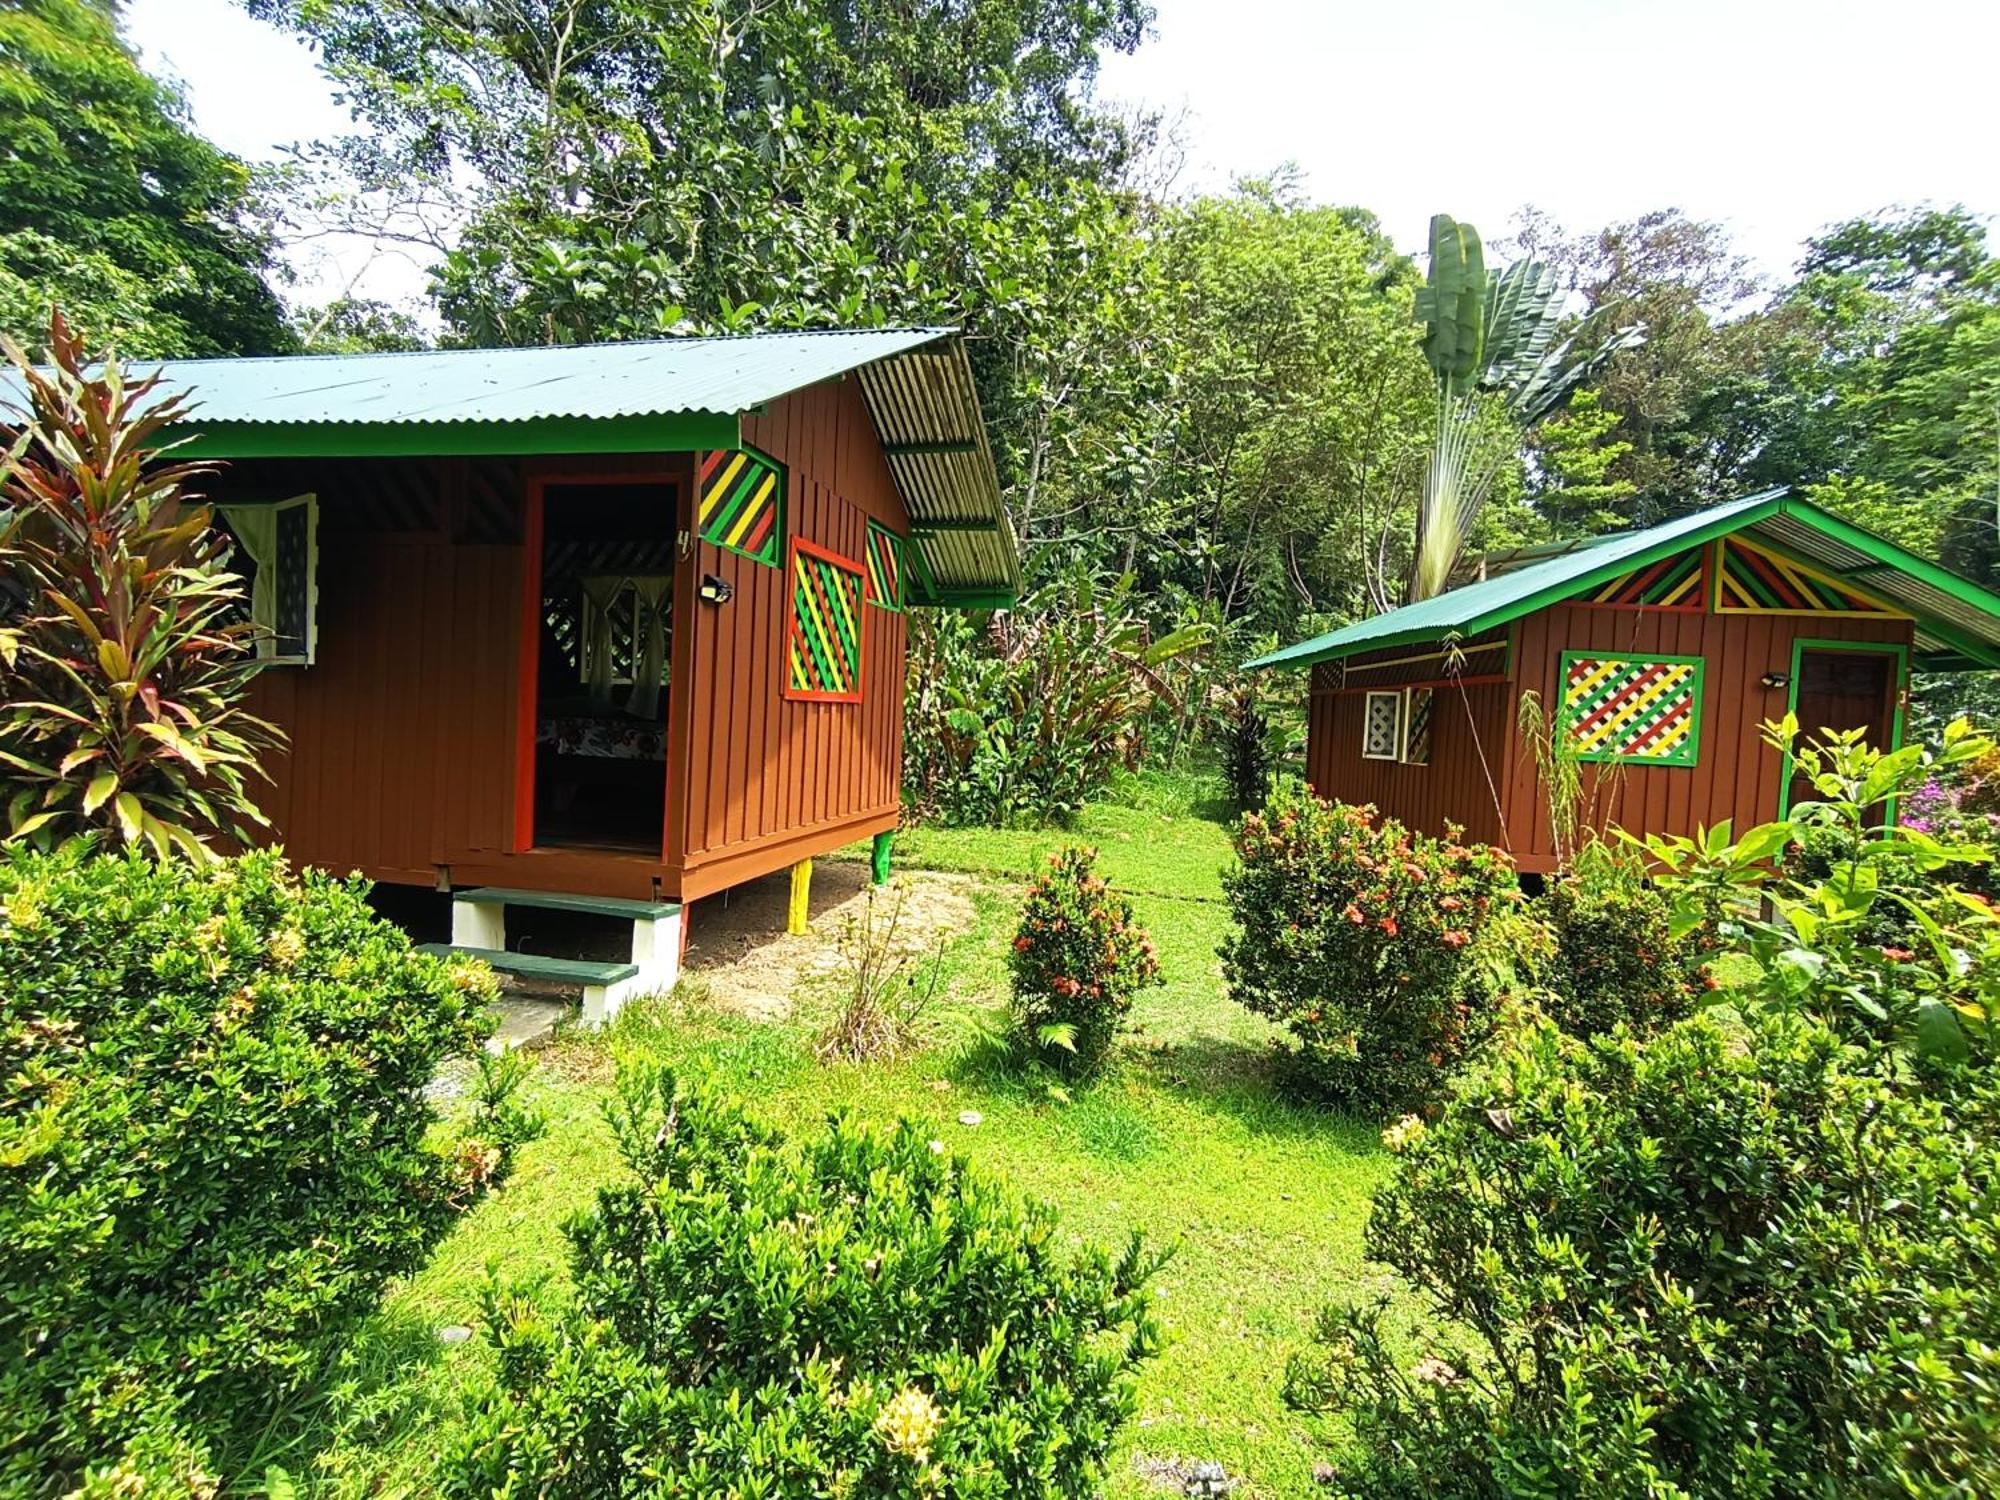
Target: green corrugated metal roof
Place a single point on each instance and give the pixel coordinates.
(658, 395)
(651, 377)
(1958, 622)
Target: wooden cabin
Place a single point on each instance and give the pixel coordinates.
(606, 627)
(1661, 652)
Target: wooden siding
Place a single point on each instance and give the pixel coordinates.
(1735, 775)
(1456, 787)
(404, 755)
(772, 780)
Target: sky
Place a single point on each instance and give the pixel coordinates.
(1775, 117)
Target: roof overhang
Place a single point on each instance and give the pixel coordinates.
(926, 408)
(1956, 622)
(645, 396)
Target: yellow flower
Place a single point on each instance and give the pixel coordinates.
(288, 946)
(1404, 1134)
(909, 1424)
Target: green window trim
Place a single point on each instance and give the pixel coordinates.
(1686, 754)
(888, 562)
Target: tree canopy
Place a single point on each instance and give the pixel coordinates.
(111, 205)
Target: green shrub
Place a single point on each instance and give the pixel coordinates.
(215, 1146)
(1360, 937)
(858, 1314)
(1728, 1261)
(1079, 961)
(1616, 958)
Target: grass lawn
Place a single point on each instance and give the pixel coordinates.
(1188, 1141)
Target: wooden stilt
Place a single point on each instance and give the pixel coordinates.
(883, 841)
(802, 880)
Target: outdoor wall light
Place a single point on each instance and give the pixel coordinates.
(716, 590)
(1776, 680)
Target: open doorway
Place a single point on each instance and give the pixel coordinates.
(605, 644)
(1842, 687)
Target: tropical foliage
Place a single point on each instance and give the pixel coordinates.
(1500, 335)
(111, 206)
(1029, 723)
(1361, 938)
(124, 662)
(1737, 1260)
(858, 1313)
(1079, 961)
(216, 1148)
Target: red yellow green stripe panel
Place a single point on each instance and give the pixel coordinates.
(740, 502)
(823, 639)
(885, 567)
(1753, 581)
(1644, 709)
(1672, 583)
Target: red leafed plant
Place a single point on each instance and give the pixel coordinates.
(123, 654)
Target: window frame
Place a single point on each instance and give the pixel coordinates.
(1409, 719)
(267, 639)
(1368, 698)
(800, 549)
(1685, 759)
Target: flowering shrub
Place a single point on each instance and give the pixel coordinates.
(1732, 1260)
(1079, 961)
(1360, 937)
(857, 1314)
(1617, 959)
(215, 1149)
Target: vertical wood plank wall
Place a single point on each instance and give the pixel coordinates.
(771, 779)
(402, 756)
(1453, 788)
(1735, 775)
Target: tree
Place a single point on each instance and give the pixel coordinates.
(1498, 337)
(111, 206)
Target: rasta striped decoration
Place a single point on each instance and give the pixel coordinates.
(1675, 583)
(885, 567)
(1754, 581)
(1645, 709)
(823, 641)
(741, 500)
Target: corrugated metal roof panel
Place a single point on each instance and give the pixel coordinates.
(642, 378)
(1461, 609)
(926, 406)
(917, 381)
(1952, 614)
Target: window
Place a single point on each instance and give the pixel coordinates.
(1641, 709)
(1382, 726)
(740, 503)
(823, 639)
(277, 552)
(885, 567)
(1416, 726)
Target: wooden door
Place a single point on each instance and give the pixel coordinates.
(1842, 690)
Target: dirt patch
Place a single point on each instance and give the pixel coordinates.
(738, 947)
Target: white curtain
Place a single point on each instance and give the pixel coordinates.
(652, 599)
(602, 592)
(256, 529)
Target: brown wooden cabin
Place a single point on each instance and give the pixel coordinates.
(1662, 652)
(620, 621)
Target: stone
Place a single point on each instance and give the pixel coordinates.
(970, 1117)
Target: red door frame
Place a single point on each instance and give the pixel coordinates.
(527, 685)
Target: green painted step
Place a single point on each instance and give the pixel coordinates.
(540, 966)
(601, 906)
